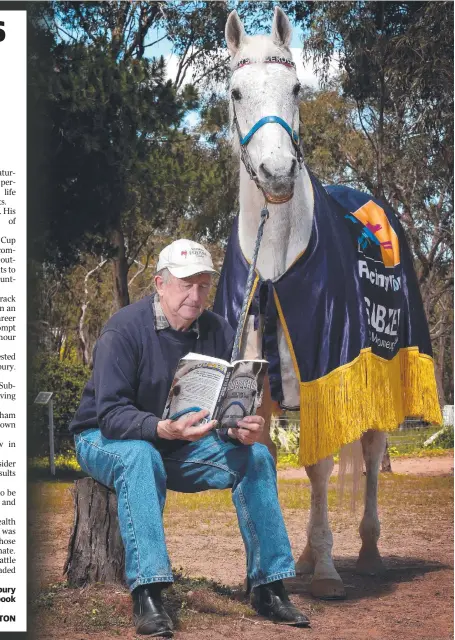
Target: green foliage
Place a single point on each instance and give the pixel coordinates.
(107, 117)
(336, 152)
(286, 440)
(66, 380)
(112, 165)
(111, 118)
(63, 462)
(410, 441)
(400, 443)
(113, 172)
(393, 132)
(444, 439)
(288, 460)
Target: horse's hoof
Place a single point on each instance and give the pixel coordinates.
(369, 566)
(327, 589)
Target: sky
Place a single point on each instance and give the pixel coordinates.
(165, 46)
(305, 72)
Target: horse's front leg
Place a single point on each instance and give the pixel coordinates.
(369, 561)
(317, 556)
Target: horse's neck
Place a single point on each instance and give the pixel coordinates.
(287, 231)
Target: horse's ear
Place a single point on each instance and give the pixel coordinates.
(235, 33)
(281, 28)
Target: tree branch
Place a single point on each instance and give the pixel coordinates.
(84, 307)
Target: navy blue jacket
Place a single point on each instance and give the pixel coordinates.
(133, 368)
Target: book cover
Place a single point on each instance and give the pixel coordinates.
(228, 391)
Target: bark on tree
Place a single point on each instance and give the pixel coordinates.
(83, 338)
(95, 548)
(386, 464)
(120, 269)
(439, 367)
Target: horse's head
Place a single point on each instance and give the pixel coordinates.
(264, 92)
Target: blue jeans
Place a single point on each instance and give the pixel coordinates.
(140, 476)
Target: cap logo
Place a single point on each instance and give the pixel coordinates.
(198, 253)
(184, 253)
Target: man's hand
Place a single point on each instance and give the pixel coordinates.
(249, 430)
(184, 429)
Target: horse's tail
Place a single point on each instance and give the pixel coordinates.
(351, 462)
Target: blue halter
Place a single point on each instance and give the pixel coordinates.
(244, 140)
(260, 123)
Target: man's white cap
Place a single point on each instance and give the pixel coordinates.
(185, 258)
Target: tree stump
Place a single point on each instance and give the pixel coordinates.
(95, 548)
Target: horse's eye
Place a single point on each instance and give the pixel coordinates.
(296, 89)
(235, 93)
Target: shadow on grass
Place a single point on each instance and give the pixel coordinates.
(200, 603)
(190, 597)
(397, 571)
(101, 607)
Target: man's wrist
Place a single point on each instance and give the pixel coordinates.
(161, 429)
(149, 428)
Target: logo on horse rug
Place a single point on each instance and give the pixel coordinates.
(377, 230)
(351, 311)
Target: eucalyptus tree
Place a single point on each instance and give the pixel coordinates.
(114, 122)
(396, 69)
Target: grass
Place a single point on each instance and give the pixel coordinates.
(95, 608)
(409, 503)
(420, 453)
(410, 442)
(401, 443)
(288, 461)
(49, 497)
(108, 607)
(291, 460)
(66, 467)
(55, 497)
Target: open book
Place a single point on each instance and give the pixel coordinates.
(229, 391)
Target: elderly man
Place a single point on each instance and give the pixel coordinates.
(122, 442)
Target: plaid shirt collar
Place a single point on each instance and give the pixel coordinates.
(161, 322)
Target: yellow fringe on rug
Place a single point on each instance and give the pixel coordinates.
(367, 393)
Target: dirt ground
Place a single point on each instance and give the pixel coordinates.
(422, 466)
(413, 599)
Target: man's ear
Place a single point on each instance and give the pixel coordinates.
(159, 284)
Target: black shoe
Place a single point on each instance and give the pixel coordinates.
(272, 601)
(149, 614)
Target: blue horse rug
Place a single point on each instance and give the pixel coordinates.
(352, 314)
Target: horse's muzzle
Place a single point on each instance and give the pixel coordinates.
(278, 199)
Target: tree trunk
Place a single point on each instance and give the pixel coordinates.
(450, 376)
(386, 464)
(120, 270)
(95, 548)
(439, 369)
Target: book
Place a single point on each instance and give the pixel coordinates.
(229, 391)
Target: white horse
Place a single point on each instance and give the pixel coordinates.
(258, 90)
